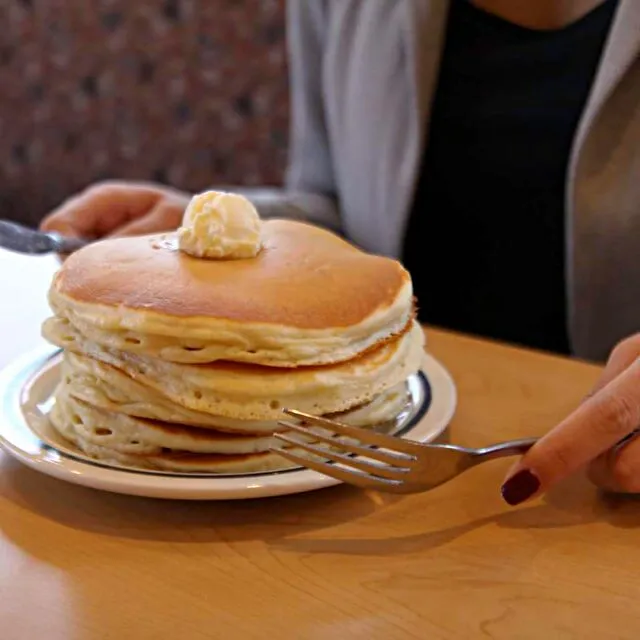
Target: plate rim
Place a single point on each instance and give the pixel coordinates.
(30, 365)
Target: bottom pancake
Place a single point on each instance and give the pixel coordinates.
(138, 436)
(112, 439)
(124, 440)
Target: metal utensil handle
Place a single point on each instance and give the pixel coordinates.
(17, 237)
(64, 244)
(505, 449)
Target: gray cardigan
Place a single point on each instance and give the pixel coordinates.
(362, 77)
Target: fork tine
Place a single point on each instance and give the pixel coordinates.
(370, 468)
(386, 457)
(354, 477)
(392, 443)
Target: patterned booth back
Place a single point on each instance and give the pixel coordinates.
(184, 92)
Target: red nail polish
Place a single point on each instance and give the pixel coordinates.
(520, 487)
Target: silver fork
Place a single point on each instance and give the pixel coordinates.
(373, 460)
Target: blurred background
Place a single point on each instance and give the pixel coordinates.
(188, 93)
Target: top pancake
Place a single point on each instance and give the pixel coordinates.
(305, 277)
(309, 297)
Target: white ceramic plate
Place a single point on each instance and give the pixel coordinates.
(26, 389)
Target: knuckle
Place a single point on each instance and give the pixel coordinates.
(101, 189)
(616, 415)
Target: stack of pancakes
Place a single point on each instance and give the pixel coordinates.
(178, 363)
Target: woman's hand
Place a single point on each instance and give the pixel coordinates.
(598, 434)
(118, 209)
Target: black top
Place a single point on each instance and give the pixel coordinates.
(485, 243)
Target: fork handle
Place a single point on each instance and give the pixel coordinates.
(504, 449)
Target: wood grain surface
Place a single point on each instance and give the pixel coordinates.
(78, 564)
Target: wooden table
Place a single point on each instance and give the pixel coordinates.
(77, 564)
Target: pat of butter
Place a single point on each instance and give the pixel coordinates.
(220, 225)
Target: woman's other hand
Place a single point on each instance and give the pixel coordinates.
(118, 209)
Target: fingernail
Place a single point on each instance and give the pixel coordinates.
(520, 487)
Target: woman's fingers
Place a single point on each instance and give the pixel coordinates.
(601, 470)
(604, 419)
(101, 209)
